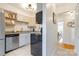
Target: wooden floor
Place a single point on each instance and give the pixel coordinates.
(65, 50)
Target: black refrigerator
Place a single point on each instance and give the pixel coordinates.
(36, 44)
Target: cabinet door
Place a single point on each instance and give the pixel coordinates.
(21, 40)
(15, 42)
(8, 43)
(2, 47)
(24, 39)
(27, 38)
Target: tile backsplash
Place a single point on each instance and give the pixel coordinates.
(22, 27)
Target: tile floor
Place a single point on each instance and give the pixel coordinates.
(23, 51)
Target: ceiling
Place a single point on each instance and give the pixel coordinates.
(58, 7)
(23, 6)
(63, 7)
(19, 5)
(61, 10)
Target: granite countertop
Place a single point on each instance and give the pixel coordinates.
(23, 32)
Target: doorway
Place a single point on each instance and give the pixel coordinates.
(60, 31)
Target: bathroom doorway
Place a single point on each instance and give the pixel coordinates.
(60, 31)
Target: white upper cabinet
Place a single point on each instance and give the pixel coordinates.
(22, 18)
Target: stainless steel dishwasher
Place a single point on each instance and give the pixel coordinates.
(12, 42)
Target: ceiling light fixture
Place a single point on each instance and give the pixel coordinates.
(29, 6)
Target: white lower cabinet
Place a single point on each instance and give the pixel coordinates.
(24, 39)
(9, 43)
(2, 47)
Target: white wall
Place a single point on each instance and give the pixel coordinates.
(77, 30)
(39, 7)
(67, 34)
(49, 39)
(69, 31)
(44, 30)
(51, 32)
